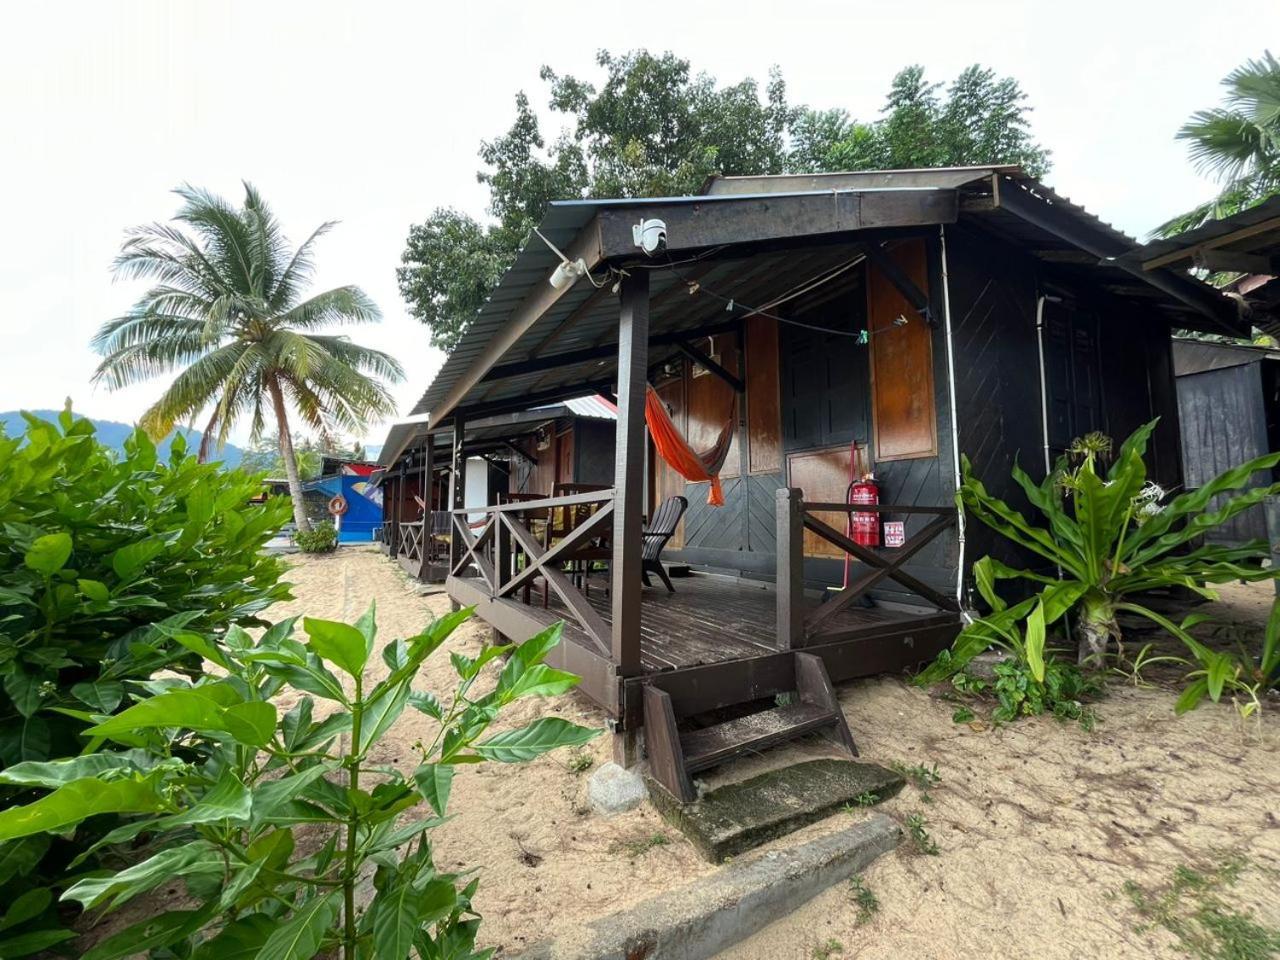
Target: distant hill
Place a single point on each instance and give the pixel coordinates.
(113, 434)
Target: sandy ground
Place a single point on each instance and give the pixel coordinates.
(1039, 824)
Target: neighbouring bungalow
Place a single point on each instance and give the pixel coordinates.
(1229, 393)
(788, 335)
(540, 451)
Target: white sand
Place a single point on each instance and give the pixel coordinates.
(1039, 823)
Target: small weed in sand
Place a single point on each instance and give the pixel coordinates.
(962, 715)
(867, 798)
(917, 829)
(825, 951)
(862, 895)
(1194, 907)
(638, 846)
(921, 777)
(580, 761)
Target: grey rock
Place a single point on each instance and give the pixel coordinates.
(613, 790)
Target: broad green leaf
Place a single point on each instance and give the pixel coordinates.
(25, 944)
(539, 737)
(239, 940)
(395, 921)
(368, 627)
(52, 774)
(438, 899)
(340, 643)
(103, 695)
(1222, 667)
(228, 799)
(27, 906)
(19, 857)
(270, 796)
(1191, 696)
(541, 681)
(188, 859)
(49, 554)
(77, 801)
(24, 690)
(209, 709)
(299, 937)
(381, 712)
(151, 933)
(95, 590)
(434, 781)
(1035, 642)
(427, 703)
(132, 558)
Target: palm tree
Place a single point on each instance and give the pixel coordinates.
(228, 312)
(1237, 143)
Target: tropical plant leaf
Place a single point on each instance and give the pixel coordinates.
(52, 774)
(433, 781)
(185, 860)
(539, 737)
(340, 643)
(49, 554)
(299, 937)
(151, 933)
(1035, 641)
(77, 801)
(25, 944)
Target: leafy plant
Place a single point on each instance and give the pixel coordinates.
(1239, 673)
(321, 538)
(918, 831)
(280, 825)
(831, 948)
(1194, 907)
(865, 898)
(1117, 540)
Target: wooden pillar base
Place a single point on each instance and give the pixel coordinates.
(628, 748)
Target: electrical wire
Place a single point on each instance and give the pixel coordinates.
(802, 288)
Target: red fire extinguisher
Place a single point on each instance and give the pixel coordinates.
(865, 524)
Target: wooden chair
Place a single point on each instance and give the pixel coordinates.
(661, 529)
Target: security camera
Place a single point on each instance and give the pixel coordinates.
(650, 236)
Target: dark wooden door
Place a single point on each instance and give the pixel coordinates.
(1073, 375)
(564, 458)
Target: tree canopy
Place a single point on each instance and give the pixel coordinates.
(1237, 143)
(654, 127)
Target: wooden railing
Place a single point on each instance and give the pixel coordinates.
(798, 624)
(506, 555)
(410, 540)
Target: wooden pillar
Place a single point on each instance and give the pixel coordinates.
(628, 471)
(457, 490)
(790, 572)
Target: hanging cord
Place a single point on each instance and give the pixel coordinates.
(804, 287)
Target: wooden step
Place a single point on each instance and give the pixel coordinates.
(712, 746)
(675, 755)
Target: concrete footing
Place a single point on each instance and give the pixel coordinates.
(712, 914)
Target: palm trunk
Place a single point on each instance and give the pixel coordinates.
(206, 438)
(289, 457)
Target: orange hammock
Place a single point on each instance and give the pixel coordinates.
(693, 466)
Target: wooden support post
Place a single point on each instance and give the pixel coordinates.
(628, 472)
(429, 506)
(392, 493)
(457, 494)
(790, 576)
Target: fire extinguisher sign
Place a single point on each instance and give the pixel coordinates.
(895, 533)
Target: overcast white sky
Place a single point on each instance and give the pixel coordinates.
(371, 113)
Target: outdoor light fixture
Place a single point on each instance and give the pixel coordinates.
(568, 273)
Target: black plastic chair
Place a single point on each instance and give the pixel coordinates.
(661, 529)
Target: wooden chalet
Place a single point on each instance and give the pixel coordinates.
(548, 447)
(886, 320)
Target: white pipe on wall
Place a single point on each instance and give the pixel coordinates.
(955, 427)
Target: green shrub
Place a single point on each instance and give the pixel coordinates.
(273, 821)
(322, 538)
(1116, 540)
(100, 554)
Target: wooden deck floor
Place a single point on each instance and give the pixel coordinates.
(713, 619)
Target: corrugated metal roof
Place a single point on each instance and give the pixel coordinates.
(1256, 235)
(586, 317)
(1200, 356)
(594, 406)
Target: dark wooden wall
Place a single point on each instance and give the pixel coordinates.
(1223, 425)
(808, 401)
